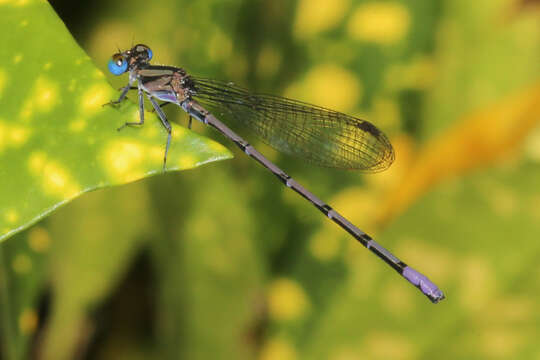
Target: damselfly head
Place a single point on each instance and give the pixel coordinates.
(118, 64)
(123, 61)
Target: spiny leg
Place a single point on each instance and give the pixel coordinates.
(141, 112)
(167, 103)
(166, 124)
(162, 105)
(123, 95)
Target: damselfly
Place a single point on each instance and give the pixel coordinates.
(321, 136)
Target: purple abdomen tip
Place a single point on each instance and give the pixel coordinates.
(424, 284)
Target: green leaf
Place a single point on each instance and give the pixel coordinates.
(57, 141)
(84, 273)
(23, 276)
(210, 259)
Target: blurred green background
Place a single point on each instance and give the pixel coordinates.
(223, 262)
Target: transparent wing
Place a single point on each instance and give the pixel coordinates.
(321, 136)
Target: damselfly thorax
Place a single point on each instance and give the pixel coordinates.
(165, 83)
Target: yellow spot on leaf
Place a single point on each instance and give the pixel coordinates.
(36, 162)
(19, 2)
(39, 239)
(17, 58)
(382, 22)
(23, 23)
(47, 66)
(216, 146)
(2, 135)
(55, 179)
(11, 216)
(178, 133)
(123, 160)
(12, 135)
(135, 117)
(187, 161)
(43, 97)
(156, 153)
(329, 86)
(287, 300)
(28, 321)
(18, 135)
(22, 264)
(27, 110)
(275, 349)
(93, 99)
(77, 125)
(98, 74)
(315, 16)
(3, 80)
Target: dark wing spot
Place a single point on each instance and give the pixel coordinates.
(369, 127)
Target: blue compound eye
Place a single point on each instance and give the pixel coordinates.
(117, 65)
(150, 53)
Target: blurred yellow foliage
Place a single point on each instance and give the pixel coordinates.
(287, 300)
(329, 86)
(28, 321)
(380, 22)
(277, 349)
(387, 345)
(315, 16)
(478, 139)
(22, 264)
(268, 61)
(39, 239)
